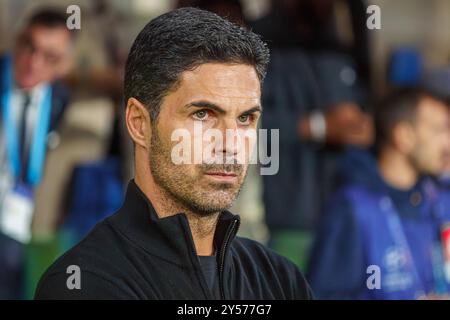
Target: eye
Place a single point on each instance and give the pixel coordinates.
(244, 119)
(200, 115)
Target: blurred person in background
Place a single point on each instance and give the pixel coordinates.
(316, 95)
(389, 212)
(336, 25)
(32, 104)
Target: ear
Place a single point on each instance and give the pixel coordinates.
(138, 123)
(404, 137)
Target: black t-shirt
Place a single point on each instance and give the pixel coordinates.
(211, 273)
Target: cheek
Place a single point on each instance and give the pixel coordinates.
(422, 140)
(48, 73)
(22, 60)
(249, 143)
(432, 154)
(436, 145)
(188, 172)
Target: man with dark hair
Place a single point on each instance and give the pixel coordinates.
(380, 237)
(399, 105)
(32, 103)
(43, 49)
(49, 18)
(174, 238)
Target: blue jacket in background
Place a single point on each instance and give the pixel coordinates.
(357, 231)
(12, 253)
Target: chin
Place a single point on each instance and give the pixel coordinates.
(434, 172)
(216, 202)
(27, 84)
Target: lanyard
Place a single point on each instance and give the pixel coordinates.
(441, 281)
(398, 234)
(39, 138)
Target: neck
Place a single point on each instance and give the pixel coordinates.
(202, 227)
(396, 169)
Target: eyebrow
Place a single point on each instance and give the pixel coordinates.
(215, 107)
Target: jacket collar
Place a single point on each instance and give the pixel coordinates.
(169, 238)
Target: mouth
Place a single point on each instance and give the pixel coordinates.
(222, 176)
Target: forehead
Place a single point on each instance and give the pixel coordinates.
(432, 110)
(222, 83)
(49, 37)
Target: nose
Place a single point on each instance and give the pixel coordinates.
(36, 60)
(231, 139)
(239, 144)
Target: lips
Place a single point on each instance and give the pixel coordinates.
(222, 174)
(222, 177)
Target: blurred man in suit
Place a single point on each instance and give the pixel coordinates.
(32, 103)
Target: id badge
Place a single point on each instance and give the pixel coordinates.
(16, 213)
(445, 236)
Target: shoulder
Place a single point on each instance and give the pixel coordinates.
(90, 270)
(2, 67)
(251, 251)
(60, 91)
(255, 256)
(78, 284)
(2, 60)
(352, 200)
(60, 101)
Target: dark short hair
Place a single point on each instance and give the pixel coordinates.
(179, 41)
(400, 105)
(49, 17)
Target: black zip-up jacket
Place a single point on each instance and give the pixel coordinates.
(135, 255)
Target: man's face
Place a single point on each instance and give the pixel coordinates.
(432, 137)
(42, 54)
(213, 96)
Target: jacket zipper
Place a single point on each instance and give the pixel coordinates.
(222, 257)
